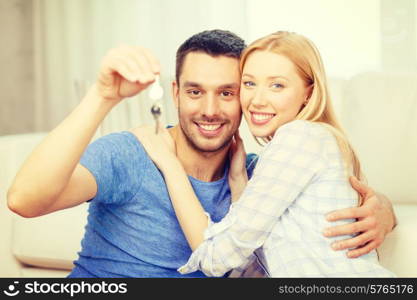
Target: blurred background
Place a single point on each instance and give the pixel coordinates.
(51, 49)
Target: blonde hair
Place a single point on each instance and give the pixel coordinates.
(306, 58)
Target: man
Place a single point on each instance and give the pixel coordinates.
(132, 229)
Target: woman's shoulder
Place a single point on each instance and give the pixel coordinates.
(304, 129)
(304, 136)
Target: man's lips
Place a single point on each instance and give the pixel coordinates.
(209, 129)
(259, 118)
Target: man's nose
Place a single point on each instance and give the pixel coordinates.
(211, 106)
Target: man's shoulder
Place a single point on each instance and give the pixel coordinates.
(122, 143)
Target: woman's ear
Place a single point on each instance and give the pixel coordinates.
(309, 91)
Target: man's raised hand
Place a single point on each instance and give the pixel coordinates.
(126, 71)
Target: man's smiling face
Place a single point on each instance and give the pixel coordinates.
(207, 98)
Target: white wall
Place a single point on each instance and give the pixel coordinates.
(71, 38)
(347, 32)
(16, 71)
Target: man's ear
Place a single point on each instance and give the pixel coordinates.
(175, 93)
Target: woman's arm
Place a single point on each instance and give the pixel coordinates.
(190, 213)
(286, 167)
(238, 176)
(191, 216)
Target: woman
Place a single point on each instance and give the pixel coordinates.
(302, 173)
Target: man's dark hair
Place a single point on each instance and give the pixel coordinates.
(212, 42)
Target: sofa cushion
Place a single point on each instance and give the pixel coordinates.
(50, 241)
(398, 252)
(30, 272)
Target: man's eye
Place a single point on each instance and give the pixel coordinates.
(227, 94)
(194, 92)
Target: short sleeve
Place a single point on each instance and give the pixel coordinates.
(117, 164)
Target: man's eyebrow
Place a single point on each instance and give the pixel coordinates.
(233, 85)
(230, 86)
(191, 84)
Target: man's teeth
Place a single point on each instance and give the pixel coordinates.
(210, 127)
(261, 117)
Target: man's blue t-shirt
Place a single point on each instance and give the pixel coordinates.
(132, 229)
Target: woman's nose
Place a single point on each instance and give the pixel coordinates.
(258, 98)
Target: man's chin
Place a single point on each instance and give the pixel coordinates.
(210, 146)
(205, 144)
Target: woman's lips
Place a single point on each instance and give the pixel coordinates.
(261, 118)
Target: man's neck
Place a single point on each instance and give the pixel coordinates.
(204, 166)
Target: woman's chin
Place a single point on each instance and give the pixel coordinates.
(260, 133)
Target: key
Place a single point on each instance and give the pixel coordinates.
(156, 113)
(155, 94)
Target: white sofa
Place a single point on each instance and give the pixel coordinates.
(378, 111)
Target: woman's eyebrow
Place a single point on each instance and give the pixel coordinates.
(247, 75)
(269, 77)
(278, 76)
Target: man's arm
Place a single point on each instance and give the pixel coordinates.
(375, 219)
(52, 178)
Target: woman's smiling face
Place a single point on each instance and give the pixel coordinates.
(271, 93)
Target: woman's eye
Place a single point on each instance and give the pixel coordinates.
(277, 85)
(248, 83)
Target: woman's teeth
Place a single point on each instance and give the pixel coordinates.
(262, 117)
